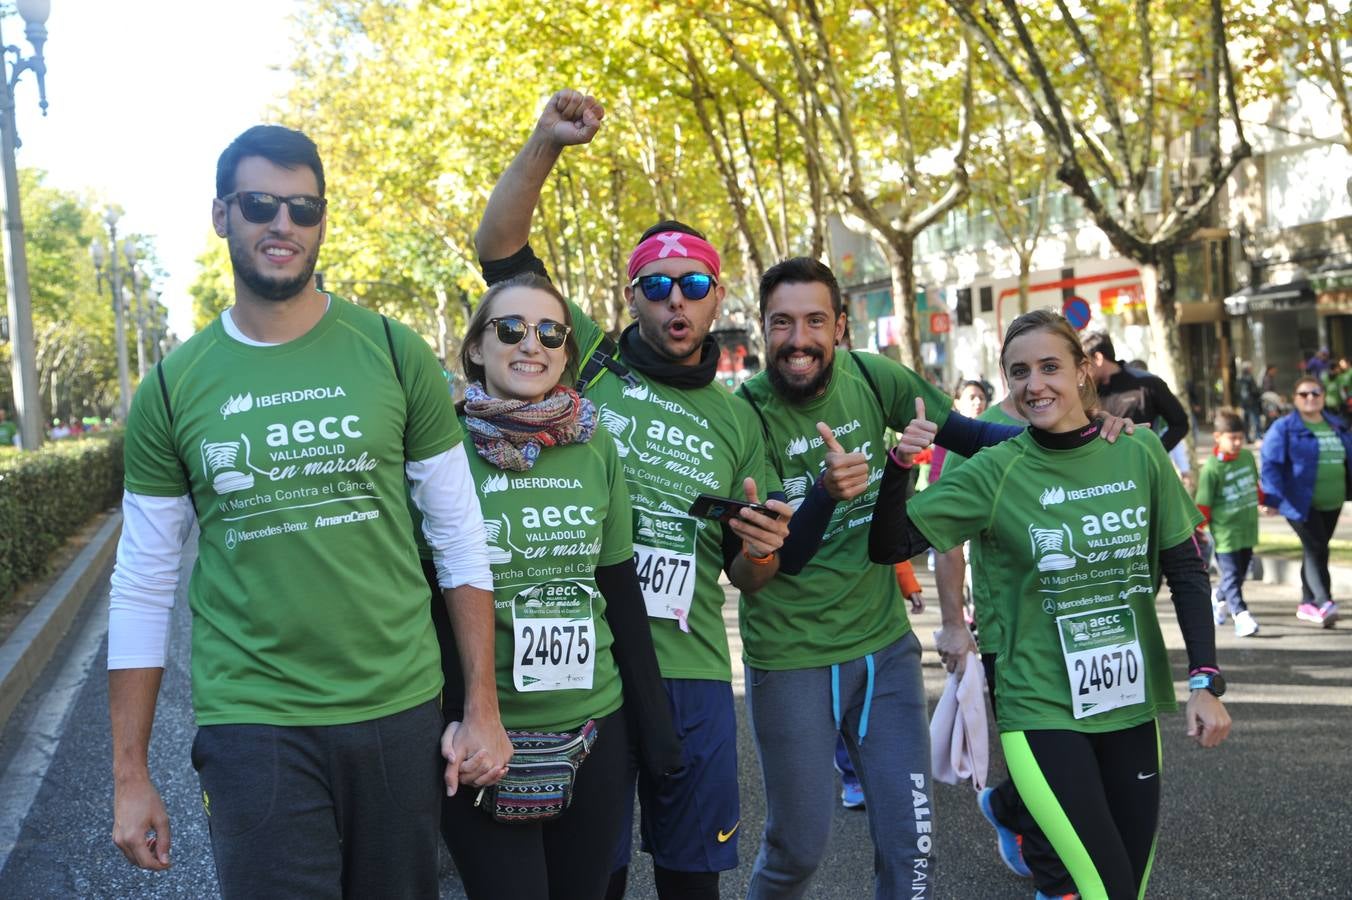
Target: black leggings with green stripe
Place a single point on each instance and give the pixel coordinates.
(1097, 798)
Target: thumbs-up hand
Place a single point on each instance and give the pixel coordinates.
(846, 474)
(918, 434)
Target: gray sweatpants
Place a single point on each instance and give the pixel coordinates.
(324, 811)
(794, 726)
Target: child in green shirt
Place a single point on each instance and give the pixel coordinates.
(1228, 496)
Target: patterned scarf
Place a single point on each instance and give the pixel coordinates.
(510, 433)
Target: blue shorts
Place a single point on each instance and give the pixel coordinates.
(691, 821)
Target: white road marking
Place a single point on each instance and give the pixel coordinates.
(21, 781)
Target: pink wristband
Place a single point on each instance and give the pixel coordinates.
(898, 460)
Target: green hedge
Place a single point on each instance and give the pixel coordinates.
(46, 496)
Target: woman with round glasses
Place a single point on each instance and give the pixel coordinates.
(1306, 478)
(573, 647)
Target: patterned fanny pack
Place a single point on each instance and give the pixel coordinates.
(538, 785)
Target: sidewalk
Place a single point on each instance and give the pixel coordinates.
(31, 645)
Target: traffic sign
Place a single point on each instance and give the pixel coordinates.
(1076, 311)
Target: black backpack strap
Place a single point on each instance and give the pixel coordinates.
(389, 339)
(863, 370)
(765, 429)
(169, 411)
(603, 357)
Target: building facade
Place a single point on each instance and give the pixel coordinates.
(1268, 281)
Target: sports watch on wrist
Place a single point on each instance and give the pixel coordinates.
(1214, 682)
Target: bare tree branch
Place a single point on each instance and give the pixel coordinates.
(758, 190)
(1330, 62)
(1139, 169)
(811, 143)
(884, 16)
(1105, 92)
(719, 146)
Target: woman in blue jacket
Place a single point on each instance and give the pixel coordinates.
(1306, 478)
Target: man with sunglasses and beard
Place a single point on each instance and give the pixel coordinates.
(679, 434)
(287, 429)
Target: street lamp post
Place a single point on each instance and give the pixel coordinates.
(109, 256)
(23, 362)
(159, 326)
(130, 247)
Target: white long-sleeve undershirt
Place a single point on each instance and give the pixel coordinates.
(154, 529)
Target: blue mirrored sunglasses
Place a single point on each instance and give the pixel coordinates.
(694, 285)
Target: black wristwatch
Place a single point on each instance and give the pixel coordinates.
(1207, 681)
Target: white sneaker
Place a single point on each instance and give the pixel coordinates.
(1219, 609)
(1245, 624)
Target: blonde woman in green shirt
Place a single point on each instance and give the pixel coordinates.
(1081, 531)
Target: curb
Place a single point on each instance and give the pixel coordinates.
(30, 647)
(1283, 570)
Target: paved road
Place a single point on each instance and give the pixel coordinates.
(1260, 817)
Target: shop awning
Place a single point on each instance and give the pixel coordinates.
(1270, 298)
(1337, 278)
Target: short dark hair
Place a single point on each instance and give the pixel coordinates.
(800, 270)
(1228, 420)
(666, 225)
(280, 146)
(981, 386)
(474, 331)
(1099, 342)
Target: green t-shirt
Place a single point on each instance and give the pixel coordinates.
(7, 431)
(548, 528)
(1335, 385)
(987, 620)
(1072, 538)
(309, 605)
(1230, 489)
(675, 444)
(841, 606)
(1330, 486)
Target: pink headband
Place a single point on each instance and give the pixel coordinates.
(674, 243)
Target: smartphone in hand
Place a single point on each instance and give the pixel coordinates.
(708, 506)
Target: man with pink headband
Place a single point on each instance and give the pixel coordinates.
(679, 434)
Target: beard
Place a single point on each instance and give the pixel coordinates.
(799, 390)
(268, 288)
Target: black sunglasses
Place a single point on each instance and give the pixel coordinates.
(512, 330)
(260, 207)
(694, 285)
(1309, 393)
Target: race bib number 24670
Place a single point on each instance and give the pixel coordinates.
(1103, 660)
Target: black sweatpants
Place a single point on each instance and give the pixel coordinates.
(1315, 531)
(324, 811)
(1097, 798)
(562, 859)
